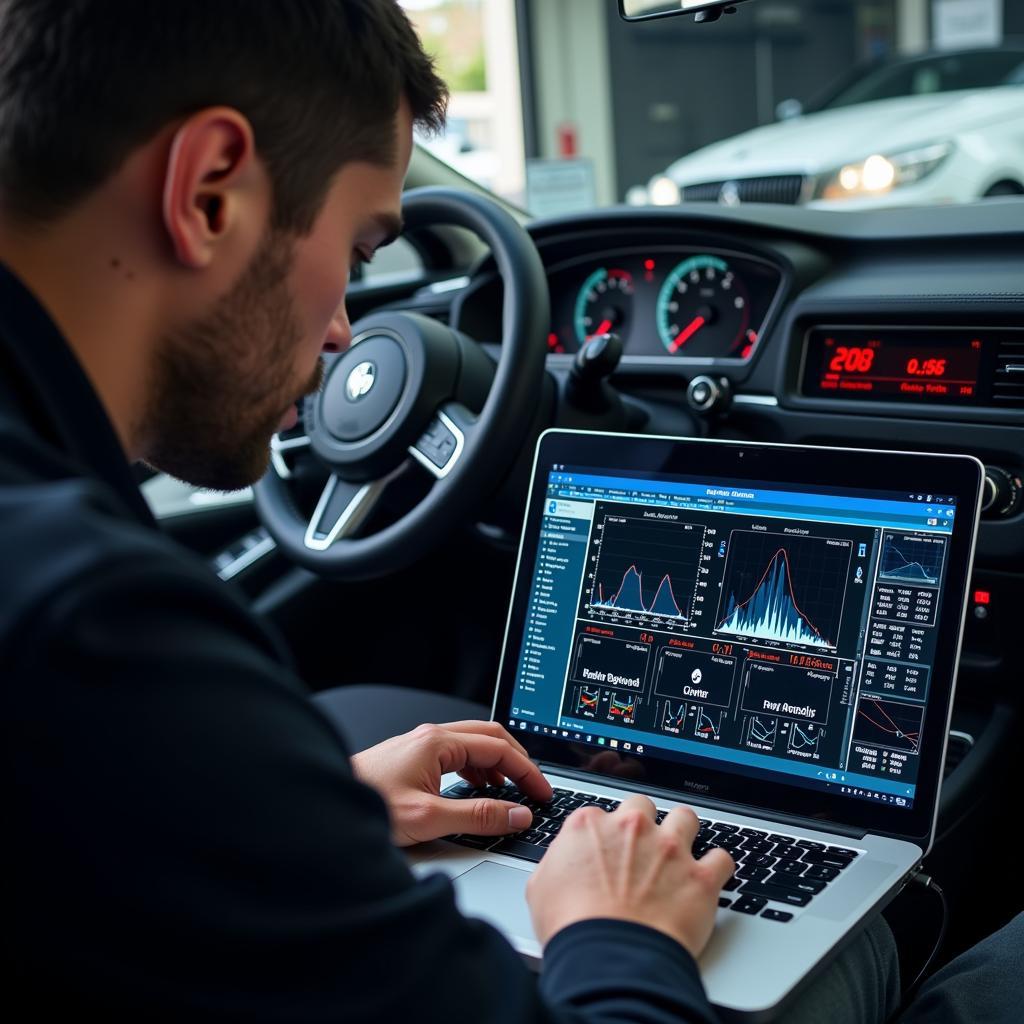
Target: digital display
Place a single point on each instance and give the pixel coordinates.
(941, 365)
(782, 632)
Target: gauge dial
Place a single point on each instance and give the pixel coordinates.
(703, 310)
(604, 304)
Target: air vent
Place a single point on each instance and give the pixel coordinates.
(1008, 381)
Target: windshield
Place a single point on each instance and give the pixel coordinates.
(981, 69)
(560, 106)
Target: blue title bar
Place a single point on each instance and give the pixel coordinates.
(827, 507)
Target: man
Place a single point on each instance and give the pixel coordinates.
(184, 189)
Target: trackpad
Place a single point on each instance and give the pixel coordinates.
(497, 894)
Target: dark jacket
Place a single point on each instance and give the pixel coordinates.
(182, 833)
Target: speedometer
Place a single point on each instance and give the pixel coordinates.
(703, 310)
(604, 303)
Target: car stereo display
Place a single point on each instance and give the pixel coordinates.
(895, 364)
(781, 631)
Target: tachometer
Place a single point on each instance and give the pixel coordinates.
(703, 310)
(604, 303)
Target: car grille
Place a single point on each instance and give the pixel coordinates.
(779, 188)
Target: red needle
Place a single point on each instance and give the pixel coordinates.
(687, 333)
(602, 328)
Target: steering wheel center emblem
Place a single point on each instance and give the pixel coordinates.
(360, 381)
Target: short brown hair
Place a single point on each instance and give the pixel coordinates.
(84, 82)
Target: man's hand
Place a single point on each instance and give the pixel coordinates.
(623, 865)
(407, 770)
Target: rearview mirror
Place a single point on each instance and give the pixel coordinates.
(702, 10)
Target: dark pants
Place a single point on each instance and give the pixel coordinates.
(860, 987)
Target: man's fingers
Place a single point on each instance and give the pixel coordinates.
(683, 822)
(720, 865)
(486, 729)
(638, 803)
(479, 817)
(476, 777)
(488, 752)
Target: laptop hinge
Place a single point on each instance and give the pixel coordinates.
(815, 824)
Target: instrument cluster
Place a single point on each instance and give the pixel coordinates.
(665, 303)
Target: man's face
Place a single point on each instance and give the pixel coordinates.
(225, 382)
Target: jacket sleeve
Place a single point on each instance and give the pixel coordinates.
(189, 842)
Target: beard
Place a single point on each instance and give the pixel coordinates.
(223, 382)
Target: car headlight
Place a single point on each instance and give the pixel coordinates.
(879, 174)
(664, 191)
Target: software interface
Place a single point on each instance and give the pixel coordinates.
(771, 631)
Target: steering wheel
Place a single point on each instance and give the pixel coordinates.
(411, 391)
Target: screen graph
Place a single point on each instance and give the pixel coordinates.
(646, 567)
(912, 559)
(784, 589)
(889, 723)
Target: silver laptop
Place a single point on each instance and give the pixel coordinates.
(768, 634)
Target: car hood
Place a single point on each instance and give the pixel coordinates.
(828, 139)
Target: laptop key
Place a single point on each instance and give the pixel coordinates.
(776, 893)
(476, 842)
(780, 840)
(790, 867)
(732, 885)
(760, 860)
(745, 904)
(822, 872)
(724, 901)
(532, 835)
(809, 844)
(721, 826)
(459, 790)
(843, 851)
(789, 852)
(749, 874)
(809, 885)
(516, 848)
(758, 846)
(832, 860)
(777, 915)
(753, 833)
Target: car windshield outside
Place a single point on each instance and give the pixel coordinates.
(925, 76)
(560, 106)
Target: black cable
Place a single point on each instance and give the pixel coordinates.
(929, 883)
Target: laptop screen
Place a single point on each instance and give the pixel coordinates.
(779, 631)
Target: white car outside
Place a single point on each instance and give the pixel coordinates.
(938, 147)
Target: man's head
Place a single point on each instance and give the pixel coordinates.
(230, 158)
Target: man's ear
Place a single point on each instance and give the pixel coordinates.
(213, 181)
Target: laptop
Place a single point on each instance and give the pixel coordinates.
(768, 634)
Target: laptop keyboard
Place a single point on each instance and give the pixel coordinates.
(771, 867)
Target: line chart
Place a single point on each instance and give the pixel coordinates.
(785, 589)
(888, 723)
(910, 559)
(646, 567)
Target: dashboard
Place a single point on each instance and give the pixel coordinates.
(889, 329)
(665, 303)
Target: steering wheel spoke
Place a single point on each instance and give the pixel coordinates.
(282, 447)
(343, 507)
(442, 444)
